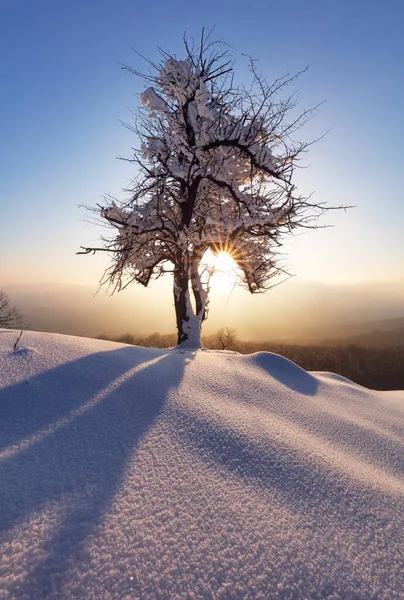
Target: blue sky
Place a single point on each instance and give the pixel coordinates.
(63, 95)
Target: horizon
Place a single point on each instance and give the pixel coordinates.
(299, 310)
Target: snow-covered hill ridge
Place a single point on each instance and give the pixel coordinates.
(130, 472)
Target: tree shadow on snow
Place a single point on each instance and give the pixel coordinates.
(279, 467)
(78, 461)
(327, 502)
(37, 402)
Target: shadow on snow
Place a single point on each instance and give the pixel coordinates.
(80, 462)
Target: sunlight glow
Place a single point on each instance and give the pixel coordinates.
(223, 262)
(223, 268)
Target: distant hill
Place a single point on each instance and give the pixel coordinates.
(380, 325)
(391, 323)
(373, 334)
(379, 338)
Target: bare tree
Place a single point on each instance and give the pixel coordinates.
(226, 338)
(214, 170)
(10, 317)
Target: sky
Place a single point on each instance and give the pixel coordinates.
(64, 97)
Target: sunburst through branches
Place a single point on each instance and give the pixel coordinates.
(220, 265)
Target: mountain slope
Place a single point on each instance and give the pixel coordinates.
(129, 472)
(373, 334)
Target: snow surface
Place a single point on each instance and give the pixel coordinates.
(128, 472)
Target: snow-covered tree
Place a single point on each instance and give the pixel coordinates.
(214, 170)
(10, 317)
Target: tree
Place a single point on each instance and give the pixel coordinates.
(10, 317)
(215, 170)
(226, 337)
(126, 338)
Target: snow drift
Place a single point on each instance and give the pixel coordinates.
(128, 472)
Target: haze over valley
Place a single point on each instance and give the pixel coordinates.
(296, 311)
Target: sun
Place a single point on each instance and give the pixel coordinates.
(223, 267)
(223, 262)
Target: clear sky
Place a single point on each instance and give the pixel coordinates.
(63, 96)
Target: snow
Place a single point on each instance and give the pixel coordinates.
(129, 472)
(152, 100)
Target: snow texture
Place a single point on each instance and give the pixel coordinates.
(129, 473)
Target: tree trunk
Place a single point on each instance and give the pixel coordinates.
(180, 303)
(188, 324)
(198, 290)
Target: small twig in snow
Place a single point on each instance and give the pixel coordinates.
(17, 340)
